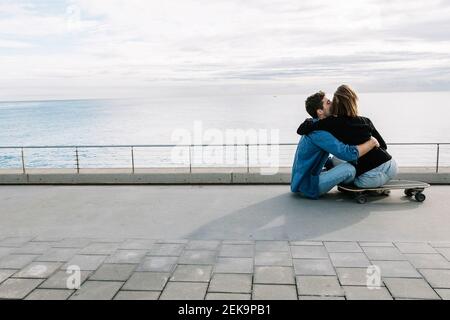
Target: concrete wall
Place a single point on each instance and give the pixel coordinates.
(180, 176)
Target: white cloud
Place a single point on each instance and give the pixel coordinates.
(11, 44)
(88, 44)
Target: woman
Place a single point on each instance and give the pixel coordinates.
(375, 168)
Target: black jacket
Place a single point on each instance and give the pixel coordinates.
(352, 131)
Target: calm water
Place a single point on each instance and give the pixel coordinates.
(399, 117)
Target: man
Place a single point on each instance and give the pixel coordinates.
(314, 150)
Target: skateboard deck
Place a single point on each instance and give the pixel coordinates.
(411, 188)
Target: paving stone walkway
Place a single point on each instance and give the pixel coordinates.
(35, 268)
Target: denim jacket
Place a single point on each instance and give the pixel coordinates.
(312, 152)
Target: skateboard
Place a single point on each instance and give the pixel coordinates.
(411, 188)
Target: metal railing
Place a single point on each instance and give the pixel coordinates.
(190, 146)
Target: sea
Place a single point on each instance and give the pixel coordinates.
(405, 118)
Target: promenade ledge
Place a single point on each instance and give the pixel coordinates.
(186, 175)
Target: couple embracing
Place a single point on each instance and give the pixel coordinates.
(359, 152)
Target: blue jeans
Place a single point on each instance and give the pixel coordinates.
(377, 177)
(343, 173)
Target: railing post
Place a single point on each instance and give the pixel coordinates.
(248, 159)
(132, 159)
(23, 161)
(77, 159)
(437, 159)
(190, 159)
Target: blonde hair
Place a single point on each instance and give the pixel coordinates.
(345, 102)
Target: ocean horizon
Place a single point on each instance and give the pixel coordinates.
(419, 117)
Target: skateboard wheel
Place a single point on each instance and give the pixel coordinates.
(361, 199)
(386, 192)
(408, 193)
(420, 197)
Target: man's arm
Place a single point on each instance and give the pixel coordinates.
(367, 146)
(329, 143)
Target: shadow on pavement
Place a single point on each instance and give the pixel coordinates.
(290, 216)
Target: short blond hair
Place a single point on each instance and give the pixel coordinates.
(345, 102)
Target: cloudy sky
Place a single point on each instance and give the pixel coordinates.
(102, 48)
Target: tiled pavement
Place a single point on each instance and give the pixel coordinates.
(35, 268)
